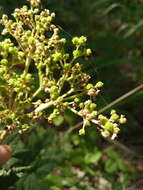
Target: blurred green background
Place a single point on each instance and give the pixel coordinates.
(114, 30)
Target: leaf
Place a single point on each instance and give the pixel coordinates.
(133, 29)
(110, 166)
(93, 157)
(122, 165)
(112, 154)
(112, 7)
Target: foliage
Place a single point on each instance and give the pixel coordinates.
(64, 161)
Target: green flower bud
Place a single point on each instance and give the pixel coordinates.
(82, 40)
(24, 38)
(21, 53)
(44, 20)
(76, 100)
(94, 113)
(81, 132)
(116, 130)
(31, 40)
(122, 120)
(57, 57)
(4, 62)
(113, 111)
(36, 11)
(54, 89)
(87, 103)
(49, 19)
(114, 117)
(2, 71)
(75, 40)
(108, 126)
(28, 33)
(81, 105)
(89, 86)
(4, 17)
(93, 106)
(4, 54)
(88, 52)
(37, 17)
(99, 84)
(52, 116)
(59, 99)
(66, 56)
(105, 133)
(77, 53)
(6, 46)
(54, 92)
(102, 118)
(67, 66)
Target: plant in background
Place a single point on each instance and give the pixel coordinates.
(39, 78)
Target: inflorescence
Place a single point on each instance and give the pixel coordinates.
(39, 79)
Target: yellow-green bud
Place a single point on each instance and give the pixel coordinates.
(76, 100)
(31, 40)
(49, 19)
(114, 117)
(116, 130)
(21, 54)
(89, 86)
(67, 66)
(93, 106)
(88, 52)
(57, 57)
(77, 53)
(102, 118)
(82, 40)
(122, 120)
(4, 62)
(59, 99)
(81, 132)
(99, 84)
(81, 105)
(108, 126)
(75, 40)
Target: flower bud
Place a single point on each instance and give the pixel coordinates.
(89, 86)
(57, 57)
(77, 53)
(108, 126)
(88, 52)
(4, 62)
(99, 84)
(81, 132)
(114, 117)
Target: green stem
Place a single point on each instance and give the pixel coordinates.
(37, 92)
(27, 64)
(74, 96)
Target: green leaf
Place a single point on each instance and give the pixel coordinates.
(93, 157)
(110, 166)
(112, 154)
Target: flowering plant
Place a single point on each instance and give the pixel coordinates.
(39, 78)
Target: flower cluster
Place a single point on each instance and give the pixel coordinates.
(39, 78)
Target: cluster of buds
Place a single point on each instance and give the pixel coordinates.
(38, 78)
